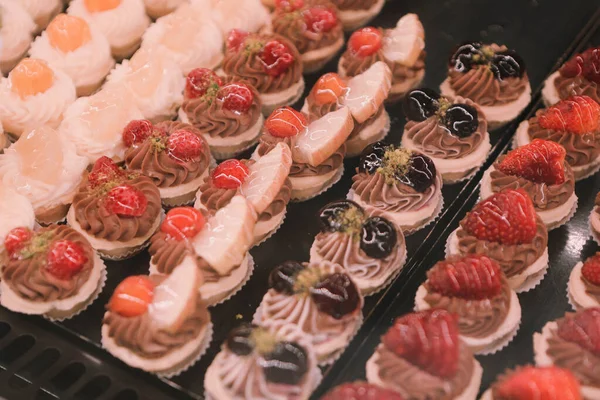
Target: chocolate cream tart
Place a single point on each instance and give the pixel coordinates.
(583, 290)
(355, 13)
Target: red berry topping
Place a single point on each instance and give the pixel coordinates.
(285, 122)
(236, 97)
(276, 57)
(576, 114)
(507, 217)
(126, 201)
(230, 174)
(199, 81)
(591, 269)
(320, 19)
(472, 277)
(16, 239)
(428, 339)
(586, 64)
(538, 383)
(182, 223)
(365, 42)
(361, 391)
(184, 146)
(540, 161)
(65, 259)
(235, 39)
(132, 297)
(104, 171)
(137, 131)
(329, 88)
(583, 328)
(289, 5)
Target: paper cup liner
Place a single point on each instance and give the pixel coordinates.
(336, 178)
(272, 232)
(514, 143)
(532, 281)
(338, 353)
(208, 336)
(224, 155)
(447, 252)
(502, 343)
(241, 284)
(567, 218)
(590, 172)
(462, 179)
(428, 221)
(592, 232)
(571, 301)
(392, 276)
(381, 135)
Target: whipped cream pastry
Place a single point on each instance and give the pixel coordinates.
(42, 11)
(157, 8)
(15, 211)
(248, 15)
(16, 33)
(583, 289)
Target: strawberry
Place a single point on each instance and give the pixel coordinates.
(329, 88)
(507, 217)
(540, 161)
(276, 57)
(538, 383)
(137, 131)
(591, 269)
(182, 223)
(586, 64)
(288, 5)
(235, 39)
(104, 171)
(132, 296)
(230, 174)
(361, 391)
(319, 19)
(16, 239)
(428, 339)
(583, 328)
(365, 42)
(126, 201)
(201, 80)
(65, 259)
(184, 146)
(285, 122)
(236, 97)
(576, 114)
(472, 277)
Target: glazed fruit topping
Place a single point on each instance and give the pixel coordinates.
(286, 364)
(365, 42)
(240, 339)
(137, 131)
(320, 19)
(428, 339)
(184, 146)
(336, 295)
(590, 269)
(285, 122)
(104, 170)
(471, 277)
(540, 161)
(503, 64)
(329, 88)
(507, 217)
(276, 57)
(132, 296)
(539, 383)
(460, 119)
(586, 64)
(361, 391)
(507, 64)
(101, 5)
(378, 237)
(583, 328)
(420, 104)
(236, 97)
(182, 223)
(16, 239)
(372, 157)
(68, 32)
(283, 277)
(235, 39)
(576, 114)
(342, 216)
(201, 82)
(125, 201)
(65, 259)
(30, 77)
(230, 174)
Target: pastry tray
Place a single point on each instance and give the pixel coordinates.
(40, 359)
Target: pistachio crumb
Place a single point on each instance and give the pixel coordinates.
(264, 342)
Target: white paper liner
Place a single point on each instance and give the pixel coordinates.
(464, 178)
(272, 232)
(567, 218)
(218, 155)
(592, 172)
(208, 336)
(335, 180)
(241, 284)
(392, 277)
(591, 227)
(427, 222)
(571, 300)
(337, 354)
(501, 344)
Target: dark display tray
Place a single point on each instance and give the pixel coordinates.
(40, 359)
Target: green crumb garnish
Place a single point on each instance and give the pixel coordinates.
(158, 144)
(37, 244)
(264, 342)
(306, 279)
(396, 162)
(211, 93)
(253, 46)
(487, 52)
(351, 222)
(443, 105)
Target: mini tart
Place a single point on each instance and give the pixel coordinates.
(177, 180)
(16, 33)
(158, 8)
(501, 100)
(29, 287)
(554, 204)
(316, 48)
(329, 334)
(115, 236)
(248, 15)
(580, 291)
(122, 25)
(24, 168)
(15, 211)
(42, 11)
(356, 13)
(243, 64)
(87, 60)
(188, 39)
(155, 83)
(233, 376)
(454, 156)
(550, 348)
(35, 93)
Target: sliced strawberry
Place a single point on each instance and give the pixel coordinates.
(285, 122)
(361, 391)
(472, 277)
(329, 88)
(201, 80)
(132, 297)
(126, 201)
(591, 269)
(289, 5)
(428, 339)
(365, 42)
(541, 161)
(184, 146)
(538, 383)
(583, 328)
(320, 19)
(105, 170)
(230, 174)
(137, 131)
(16, 239)
(236, 97)
(586, 64)
(576, 114)
(507, 217)
(182, 223)
(276, 57)
(235, 39)
(65, 259)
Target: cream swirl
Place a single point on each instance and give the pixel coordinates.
(16, 31)
(158, 8)
(15, 211)
(42, 10)
(578, 85)
(480, 85)
(354, 5)
(247, 15)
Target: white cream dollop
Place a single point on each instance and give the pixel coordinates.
(42, 11)
(15, 211)
(247, 15)
(158, 8)
(15, 34)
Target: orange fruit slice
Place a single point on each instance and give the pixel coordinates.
(101, 5)
(30, 77)
(68, 33)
